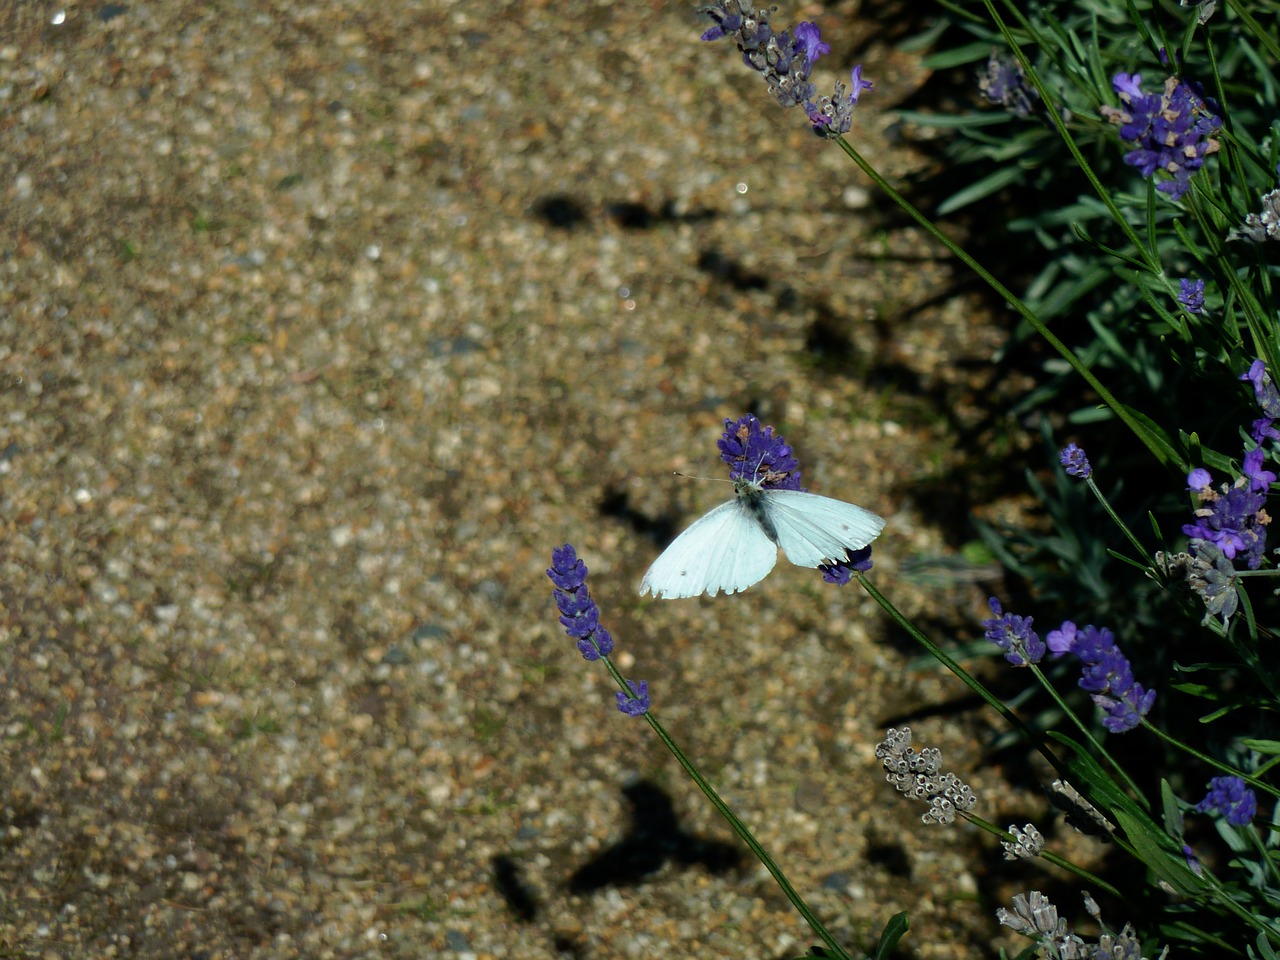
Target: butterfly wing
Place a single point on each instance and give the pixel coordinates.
(725, 549)
(813, 530)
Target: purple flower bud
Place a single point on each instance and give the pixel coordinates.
(638, 703)
(1191, 295)
(1230, 798)
(1075, 462)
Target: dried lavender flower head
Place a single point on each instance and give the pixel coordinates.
(1027, 842)
(917, 775)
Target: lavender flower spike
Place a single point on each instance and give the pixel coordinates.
(1107, 675)
(1005, 83)
(1191, 295)
(1233, 518)
(1075, 462)
(1229, 797)
(785, 61)
(1014, 635)
(1172, 131)
(755, 452)
(833, 116)
(578, 612)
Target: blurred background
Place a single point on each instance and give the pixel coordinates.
(320, 325)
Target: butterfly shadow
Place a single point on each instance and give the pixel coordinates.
(654, 837)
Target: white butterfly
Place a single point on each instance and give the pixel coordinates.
(736, 544)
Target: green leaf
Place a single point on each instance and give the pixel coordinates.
(1172, 810)
(1261, 746)
(1156, 439)
(1095, 783)
(1152, 849)
(988, 185)
(893, 931)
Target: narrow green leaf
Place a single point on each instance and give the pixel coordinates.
(893, 931)
(1159, 860)
(1261, 746)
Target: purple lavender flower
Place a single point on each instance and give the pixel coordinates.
(1268, 399)
(1004, 83)
(753, 452)
(1173, 130)
(1062, 640)
(786, 60)
(1259, 480)
(636, 704)
(1075, 462)
(1107, 675)
(1014, 635)
(809, 43)
(1263, 429)
(855, 561)
(1233, 518)
(1191, 295)
(578, 612)
(1230, 798)
(1264, 389)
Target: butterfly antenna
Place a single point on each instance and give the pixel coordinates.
(690, 476)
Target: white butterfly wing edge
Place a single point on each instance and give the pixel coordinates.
(725, 549)
(813, 529)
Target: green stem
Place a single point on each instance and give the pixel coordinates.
(1088, 735)
(1206, 759)
(738, 826)
(1046, 855)
(1142, 552)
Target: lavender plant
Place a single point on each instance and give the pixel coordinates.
(1155, 287)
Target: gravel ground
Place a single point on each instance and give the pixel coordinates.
(322, 323)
